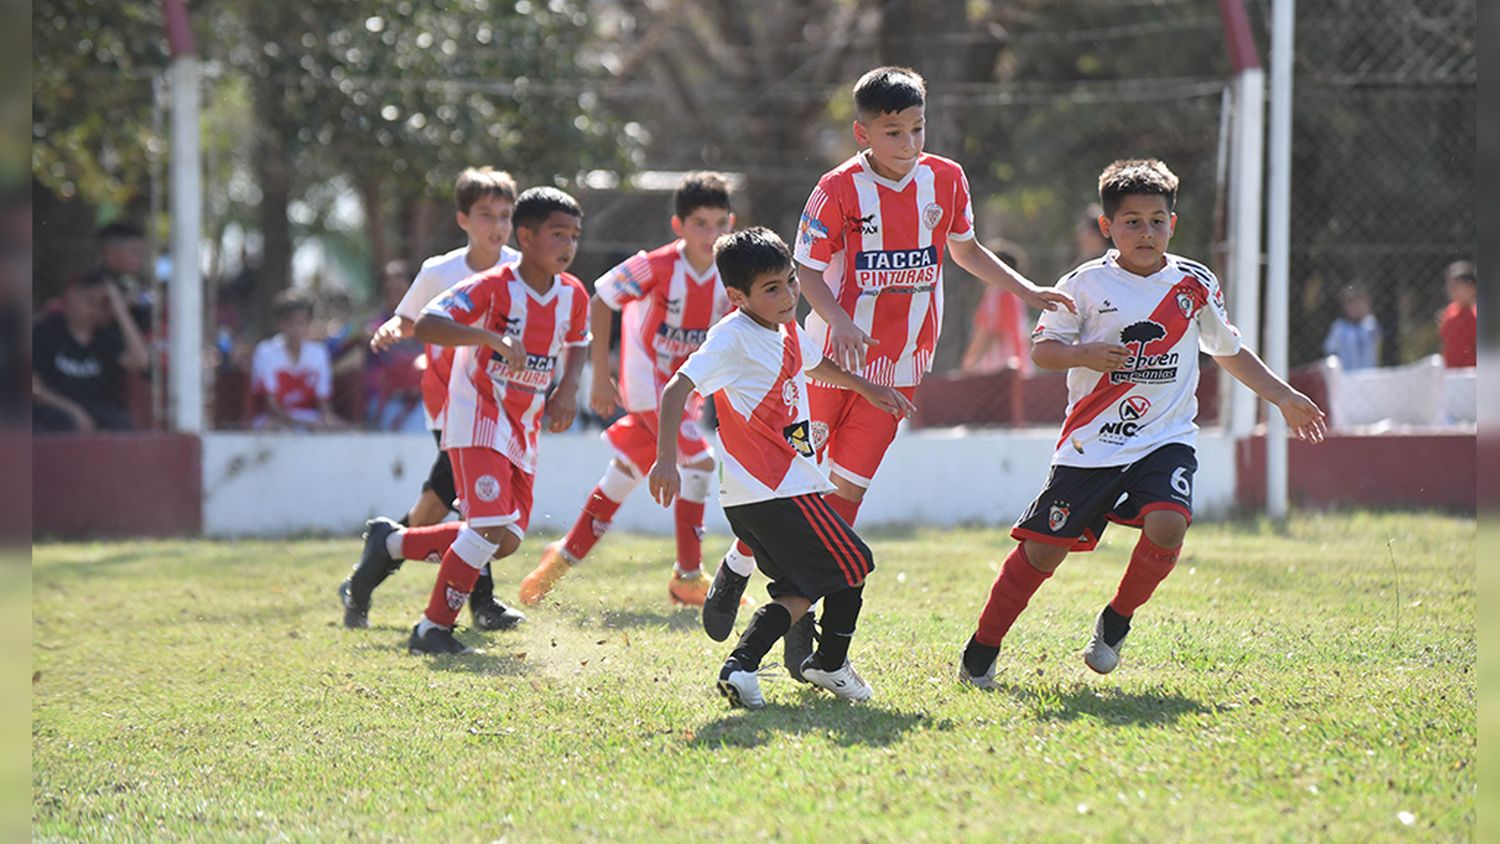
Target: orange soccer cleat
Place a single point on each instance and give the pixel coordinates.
(555, 563)
(689, 591)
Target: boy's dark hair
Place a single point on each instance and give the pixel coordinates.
(535, 205)
(744, 256)
(475, 183)
(887, 90)
(117, 231)
(1136, 176)
(1461, 270)
(704, 189)
(289, 302)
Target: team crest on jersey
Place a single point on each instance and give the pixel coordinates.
(932, 215)
(1057, 516)
(455, 598)
(819, 434)
(797, 436)
(1185, 304)
(789, 393)
(487, 488)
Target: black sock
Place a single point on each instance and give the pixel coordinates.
(765, 629)
(484, 588)
(978, 658)
(840, 613)
(1115, 626)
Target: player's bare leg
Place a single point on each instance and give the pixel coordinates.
(1154, 557)
(428, 509)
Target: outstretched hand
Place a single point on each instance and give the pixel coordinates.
(1048, 299)
(664, 482)
(1303, 416)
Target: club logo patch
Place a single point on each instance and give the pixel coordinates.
(1185, 305)
(789, 393)
(932, 215)
(487, 488)
(600, 528)
(455, 598)
(1057, 516)
(819, 434)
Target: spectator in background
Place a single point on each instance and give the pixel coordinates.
(122, 255)
(1354, 338)
(80, 357)
(1088, 239)
(1000, 337)
(292, 376)
(393, 377)
(1458, 324)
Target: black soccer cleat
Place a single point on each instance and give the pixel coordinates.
(722, 604)
(797, 646)
(437, 640)
(374, 566)
(490, 614)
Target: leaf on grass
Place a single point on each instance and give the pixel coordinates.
(36, 676)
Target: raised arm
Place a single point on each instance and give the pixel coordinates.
(888, 399)
(439, 330)
(988, 268)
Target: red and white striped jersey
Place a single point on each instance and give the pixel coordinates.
(438, 274)
(667, 310)
(489, 405)
(880, 247)
(297, 385)
(755, 376)
(1164, 319)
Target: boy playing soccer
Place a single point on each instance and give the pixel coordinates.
(486, 200)
(1125, 453)
(869, 252)
(752, 365)
(670, 296)
(511, 324)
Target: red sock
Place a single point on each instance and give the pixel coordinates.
(689, 517)
(455, 580)
(429, 542)
(843, 506)
(1149, 565)
(592, 524)
(1013, 589)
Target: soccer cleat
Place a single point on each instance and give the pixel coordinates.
(845, 682)
(722, 603)
(437, 640)
(687, 590)
(490, 614)
(984, 682)
(740, 687)
(374, 566)
(355, 616)
(1100, 655)
(554, 565)
(797, 646)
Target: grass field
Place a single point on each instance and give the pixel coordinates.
(1316, 684)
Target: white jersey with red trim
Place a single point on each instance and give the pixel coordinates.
(1164, 319)
(489, 405)
(297, 385)
(439, 274)
(755, 376)
(880, 246)
(667, 309)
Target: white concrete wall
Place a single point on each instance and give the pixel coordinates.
(278, 484)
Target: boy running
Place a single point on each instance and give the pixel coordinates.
(486, 200)
(752, 365)
(870, 251)
(670, 297)
(1125, 453)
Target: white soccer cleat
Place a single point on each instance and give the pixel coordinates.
(844, 682)
(984, 682)
(740, 687)
(1098, 655)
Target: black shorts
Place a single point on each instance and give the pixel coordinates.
(1074, 507)
(440, 476)
(802, 545)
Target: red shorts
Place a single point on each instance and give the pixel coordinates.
(849, 432)
(633, 438)
(492, 491)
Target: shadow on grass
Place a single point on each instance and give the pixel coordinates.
(847, 724)
(1071, 701)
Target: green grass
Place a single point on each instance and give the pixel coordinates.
(1296, 686)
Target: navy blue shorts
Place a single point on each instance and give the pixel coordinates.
(1076, 504)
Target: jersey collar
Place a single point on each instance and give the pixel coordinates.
(687, 266)
(868, 171)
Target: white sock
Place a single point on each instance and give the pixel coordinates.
(617, 484)
(739, 563)
(678, 570)
(427, 624)
(393, 543)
